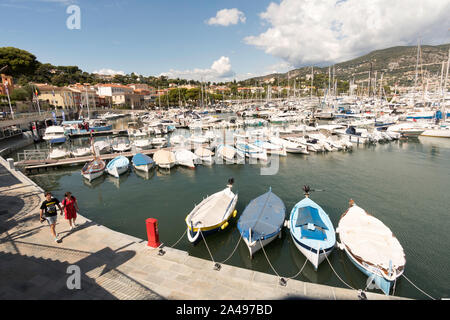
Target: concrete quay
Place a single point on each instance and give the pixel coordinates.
(115, 265)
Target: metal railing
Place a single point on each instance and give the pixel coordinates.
(34, 154)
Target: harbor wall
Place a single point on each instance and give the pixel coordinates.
(9, 145)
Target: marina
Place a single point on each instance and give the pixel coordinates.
(235, 152)
(327, 170)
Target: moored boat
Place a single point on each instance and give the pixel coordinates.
(261, 221)
(142, 162)
(93, 169)
(117, 166)
(311, 230)
(212, 214)
(371, 247)
(164, 159)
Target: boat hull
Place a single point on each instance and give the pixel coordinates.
(382, 283)
(93, 175)
(145, 167)
(117, 171)
(255, 246)
(311, 254)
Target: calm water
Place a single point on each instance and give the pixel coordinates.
(404, 184)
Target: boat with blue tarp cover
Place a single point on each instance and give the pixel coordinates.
(142, 162)
(261, 221)
(311, 230)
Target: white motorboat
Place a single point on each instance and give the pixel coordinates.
(290, 146)
(408, 129)
(159, 142)
(55, 135)
(102, 146)
(271, 148)
(142, 144)
(81, 152)
(58, 153)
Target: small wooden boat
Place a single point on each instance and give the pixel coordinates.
(312, 230)
(164, 159)
(93, 169)
(371, 247)
(261, 221)
(212, 214)
(142, 162)
(117, 166)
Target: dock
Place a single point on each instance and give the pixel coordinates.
(29, 165)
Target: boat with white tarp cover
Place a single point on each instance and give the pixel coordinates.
(371, 247)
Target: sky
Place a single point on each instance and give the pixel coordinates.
(215, 40)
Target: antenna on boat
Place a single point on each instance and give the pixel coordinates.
(230, 182)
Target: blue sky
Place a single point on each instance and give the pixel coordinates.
(149, 37)
(152, 37)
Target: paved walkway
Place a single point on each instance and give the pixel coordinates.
(114, 265)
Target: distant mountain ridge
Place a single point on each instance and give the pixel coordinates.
(398, 64)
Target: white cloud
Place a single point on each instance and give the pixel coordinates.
(109, 72)
(328, 31)
(220, 70)
(225, 17)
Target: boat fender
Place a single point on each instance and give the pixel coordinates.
(286, 224)
(234, 213)
(340, 245)
(224, 225)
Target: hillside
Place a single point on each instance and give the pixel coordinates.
(398, 64)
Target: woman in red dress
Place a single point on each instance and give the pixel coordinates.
(70, 207)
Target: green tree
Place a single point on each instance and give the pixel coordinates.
(19, 94)
(19, 62)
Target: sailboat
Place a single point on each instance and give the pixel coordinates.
(311, 230)
(212, 214)
(261, 221)
(371, 247)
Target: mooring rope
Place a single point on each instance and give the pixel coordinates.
(418, 288)
(206, 246)
(294, 276)
(336, 272)
(240, 238)
(179, 239)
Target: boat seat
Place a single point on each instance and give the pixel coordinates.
(317, 234)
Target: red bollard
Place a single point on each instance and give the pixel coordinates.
(152, 232)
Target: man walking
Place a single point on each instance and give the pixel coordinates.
(49, 213)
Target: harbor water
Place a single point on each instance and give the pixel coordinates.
(405, 184)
